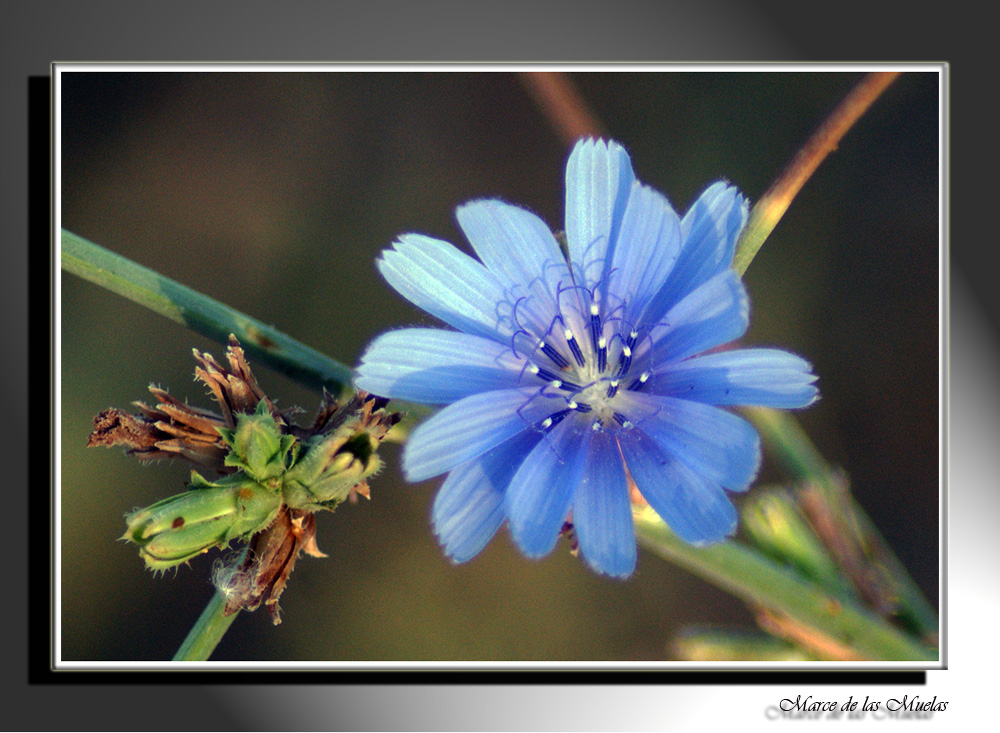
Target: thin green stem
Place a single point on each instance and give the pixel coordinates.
(207, 631)
(201, 314)
(761, 582)
(772, 205)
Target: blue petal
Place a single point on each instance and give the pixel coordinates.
(708, 233)
(716, 313)
(469, 507)
(518, 247)
(645, 251)
(696, 509)
(436, 366)
(716, 444)
(598, 181)
(513, 243)
(468, 428)
(540, 494)
(765, 377)
(446, 283)
(602, 511)
(712, 224)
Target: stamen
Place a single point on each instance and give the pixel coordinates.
(624, 361)
(602, 354)
(612, 388)
(552, 420)
(637, 384)
(545, 375)
(558, 359)
(581, 406)
(554, 380)
(574, 347)
(595, 324)
(621, 419)
(597, 425)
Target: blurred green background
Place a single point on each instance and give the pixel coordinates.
(275, 192)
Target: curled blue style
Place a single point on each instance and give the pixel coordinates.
(565, 370)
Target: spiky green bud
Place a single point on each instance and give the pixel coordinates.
(258, 446)
(175, 529)
(331, 466)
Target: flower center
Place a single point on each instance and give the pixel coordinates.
(587, 362)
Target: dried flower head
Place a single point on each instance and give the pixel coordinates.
(273, 475)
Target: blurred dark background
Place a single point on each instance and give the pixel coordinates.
(274, 192)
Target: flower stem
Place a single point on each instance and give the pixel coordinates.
(761, 582)
(773, 204)
(788, 443)
(207, 631)
(201, 313)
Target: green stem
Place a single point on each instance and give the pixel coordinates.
(207, 632)
(785, 439)
(772, 205)
(756, 579)
(202, 314)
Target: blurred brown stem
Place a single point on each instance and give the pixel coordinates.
(773, 204)
(563, 105)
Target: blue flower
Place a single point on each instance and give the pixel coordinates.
(563, 371)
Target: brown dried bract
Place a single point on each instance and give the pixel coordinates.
(262, 575)
(175, 429)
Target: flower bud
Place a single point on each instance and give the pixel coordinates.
(774, 521)
(175, 529)
(332, 465)
(259, 447)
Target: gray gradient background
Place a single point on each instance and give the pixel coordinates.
(648, 31)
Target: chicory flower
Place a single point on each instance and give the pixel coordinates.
(568, 372)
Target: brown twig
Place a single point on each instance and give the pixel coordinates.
(775, 202)
(563, 105)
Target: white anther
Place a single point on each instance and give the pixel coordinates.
(595, 426)
(568, 334)
(627, 352)
(602, 343)
(547, 422)
(555, 383)
(643, 377)
(533, 369)
(594, 309)
(633, 335)
(572, 405)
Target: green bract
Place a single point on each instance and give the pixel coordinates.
(258, 447)
(176, 529)
(331, 467)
